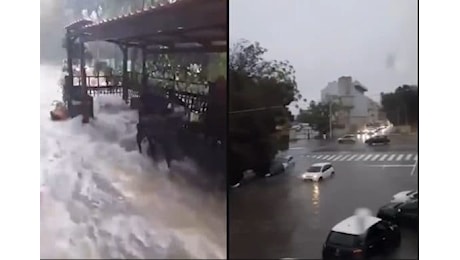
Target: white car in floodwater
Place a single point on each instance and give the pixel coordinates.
(404, 196)
(319, 171)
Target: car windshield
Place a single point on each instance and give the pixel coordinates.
(314, 169)
(343, 239)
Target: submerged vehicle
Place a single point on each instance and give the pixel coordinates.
(403, 213)
(319, 171)
(361, 237)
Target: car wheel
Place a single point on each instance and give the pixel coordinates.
(320, 179)
(332, 173)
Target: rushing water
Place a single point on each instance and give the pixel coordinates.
(102, 199)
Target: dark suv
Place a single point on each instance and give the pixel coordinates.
(402, 213)
(355, 238)
(378, 139)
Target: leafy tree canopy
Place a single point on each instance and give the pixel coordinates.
(260, 90)
(401, 106)
(317, 115)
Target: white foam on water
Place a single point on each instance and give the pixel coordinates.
(102, 199)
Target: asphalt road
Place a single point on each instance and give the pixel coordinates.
(284, 217)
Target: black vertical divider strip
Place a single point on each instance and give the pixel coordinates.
(227, 127)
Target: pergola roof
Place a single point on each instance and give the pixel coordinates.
(184, 26)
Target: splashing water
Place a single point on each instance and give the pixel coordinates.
(100, 198)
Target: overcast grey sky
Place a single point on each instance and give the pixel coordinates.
(375, 41)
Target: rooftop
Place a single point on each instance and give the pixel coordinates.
(355, 225)
(184, 25)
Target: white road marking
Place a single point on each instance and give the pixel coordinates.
(375, 157)
(415, 166)
(296, 148)
(367, 157)
(390, 165)
(383, 157)
(390, 158)
(360, 157)
(408, 157)
(400, 157)
(338, 157)
(344, 157)
(333, 156)
(351, 157)
(320, 156)
(327, 157)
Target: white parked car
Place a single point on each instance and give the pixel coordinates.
(347, 139)
(319, 171)
(404, 196)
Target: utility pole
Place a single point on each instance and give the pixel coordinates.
(330, 119)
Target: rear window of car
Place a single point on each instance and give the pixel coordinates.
(314, 169)
(348, 136)
(342, 239)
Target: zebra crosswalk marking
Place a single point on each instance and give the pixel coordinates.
(344, 157)
(367, 157)
(351, 157)
(375, 157)
(338, 157)
(328, 157)
(333, 156)
(360, 157)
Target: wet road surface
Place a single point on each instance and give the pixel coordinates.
(284, 217)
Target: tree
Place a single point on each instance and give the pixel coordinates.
(401, 106)
(260, 91)
(318, 115)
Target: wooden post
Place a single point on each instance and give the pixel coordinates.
(69, 48)
(68, 84)
(144, 70)
(124, 81)
(85, 105)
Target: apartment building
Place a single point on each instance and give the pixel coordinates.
(356, 109)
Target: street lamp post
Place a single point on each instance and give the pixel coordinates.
(330, 119)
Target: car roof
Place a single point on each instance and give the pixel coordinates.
(321, 164)
(351, 225)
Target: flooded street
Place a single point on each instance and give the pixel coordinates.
(102, 199)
